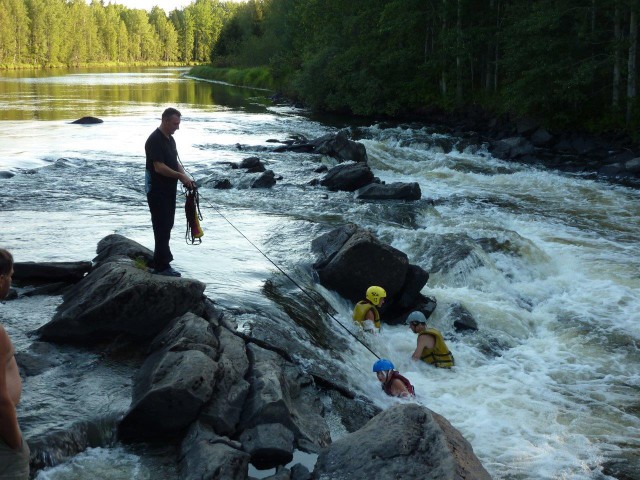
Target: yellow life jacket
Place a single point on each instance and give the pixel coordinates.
(439, 355)
(360, 312)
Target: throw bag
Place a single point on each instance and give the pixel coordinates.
(192, 210)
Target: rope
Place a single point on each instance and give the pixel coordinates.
(280, 269)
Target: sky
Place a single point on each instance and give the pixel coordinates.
(166, 5)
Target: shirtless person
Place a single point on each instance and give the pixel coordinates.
(14, 452)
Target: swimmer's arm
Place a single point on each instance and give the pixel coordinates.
(424, 341)
(9, 429)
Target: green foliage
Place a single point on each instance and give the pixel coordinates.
(256, 77)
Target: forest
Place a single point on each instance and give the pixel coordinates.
(566, 63)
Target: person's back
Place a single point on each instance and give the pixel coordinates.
(14, 452)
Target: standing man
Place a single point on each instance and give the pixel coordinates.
(430, 347)
(14, 452)
(161, 179)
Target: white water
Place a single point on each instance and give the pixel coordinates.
(547, 388)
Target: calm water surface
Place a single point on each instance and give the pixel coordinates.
(547, 389)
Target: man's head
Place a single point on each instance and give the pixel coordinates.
(6, 272)
(170, 121)
(416, 321)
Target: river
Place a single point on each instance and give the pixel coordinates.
(549, 386)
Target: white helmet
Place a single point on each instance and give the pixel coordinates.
(416, 317)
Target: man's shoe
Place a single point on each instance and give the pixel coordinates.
(168, 272)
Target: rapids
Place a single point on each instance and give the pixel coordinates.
(548, 388)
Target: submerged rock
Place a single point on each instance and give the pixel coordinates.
(88, 121)
(48, 272)
(390, 191)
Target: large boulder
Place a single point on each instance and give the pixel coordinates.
(360, 262)
(205, 455)
(189, 332)
(407, 441)
(270, 445)
(347, 177)
(119, 299)
(168, 394)
(340, 147)
(390, 191)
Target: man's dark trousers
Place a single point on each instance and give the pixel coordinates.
(162, 205)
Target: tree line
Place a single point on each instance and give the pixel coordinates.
(51, 33)
(569, 63)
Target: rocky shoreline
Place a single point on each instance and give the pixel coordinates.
(613, 158)
(228, 396)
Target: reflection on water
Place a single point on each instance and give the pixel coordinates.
(68, 94)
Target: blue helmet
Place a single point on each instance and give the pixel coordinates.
(382, 365)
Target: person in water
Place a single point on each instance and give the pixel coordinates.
(14, 451)
(163, 170)
(431, 347)
(366, 312)
(393, 383)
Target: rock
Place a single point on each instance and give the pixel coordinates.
(56, 445)
(189, 332)
(29, 273)
(415, 280)
(300, 472)
(224, 409)
(270, 445)
(391, 191)
(541, 137)
(340, 147)
(463, 318)
(169, 390)
(87, 121)
(114, 247)
(406, 441)
(266, 180)
(281, 393)
(511, 148)
(206, 456)
(4, 174)
(351, 270)
(348, 177)
(40, 357)
(633, 165)
(321, 169)
(115, 299)
(57, 288)
(250, 162)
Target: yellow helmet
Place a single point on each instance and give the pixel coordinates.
(374, 294)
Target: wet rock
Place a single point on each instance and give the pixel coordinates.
(30, 273)
(321, 169)
(39, 358)
(415, 279)
(115, 299)
(511, 148)
(354, 413)
(115, 247)
(406, 441)
(266, 180)
(463, 320)
(350, 271)
(57, 288)
(206, 455)
(169, 390)
(335, 145)
(58, 444)
(269, 445)
(87, 121)
(188, 332)
(541, 137)
(222, 413)
(300, 472)
(4, 174)
(281, 393)
(347, 177)
(390, 191)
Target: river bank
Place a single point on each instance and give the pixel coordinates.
(612, 157)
